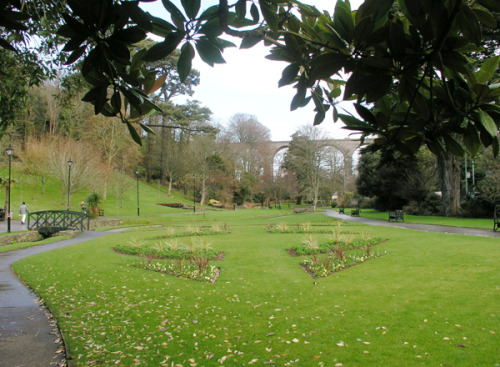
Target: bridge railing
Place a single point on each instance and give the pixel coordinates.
(58, 220)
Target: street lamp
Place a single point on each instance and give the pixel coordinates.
(9, 151)
(70, 162)
(137, 177)
(234, 193)
(194, 192)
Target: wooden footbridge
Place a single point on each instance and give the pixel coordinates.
(52, 221)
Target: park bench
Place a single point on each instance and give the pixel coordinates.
(2, 214)
(341, 210)
(355, 212)
(397, 216)
(101, 212)
(496, 218)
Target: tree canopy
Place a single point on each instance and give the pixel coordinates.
(407, 63)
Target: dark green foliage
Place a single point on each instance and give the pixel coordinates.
(408, 61)
(393, 180)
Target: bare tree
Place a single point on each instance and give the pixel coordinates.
(111, 138)
(34, 157)
(249, 138)
(305, 158)
(86, 169)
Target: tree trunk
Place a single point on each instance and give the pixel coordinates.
(148, 158)
(449, 176)
(169, 186)
(203, 192)
(163, 174)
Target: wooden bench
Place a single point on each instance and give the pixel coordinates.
(341, 211)
(496, 218)
(355, 212)
(101, 212)
(397, 216)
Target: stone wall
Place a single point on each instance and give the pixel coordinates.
(31, 236)
(101, 222)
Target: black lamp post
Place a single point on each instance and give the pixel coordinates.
(70, 162)
(194, 193)
(234, 193)
(9, 151)
(137, 177)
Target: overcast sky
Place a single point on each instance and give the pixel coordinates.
(248, 83)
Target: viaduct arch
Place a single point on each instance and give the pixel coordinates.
(347, 147)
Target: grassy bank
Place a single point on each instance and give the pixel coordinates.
(432, 299)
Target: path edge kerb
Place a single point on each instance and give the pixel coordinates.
(415, 226)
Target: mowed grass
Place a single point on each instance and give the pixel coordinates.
(433, 299)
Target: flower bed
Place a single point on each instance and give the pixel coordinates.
(344, 251)
(185, 269)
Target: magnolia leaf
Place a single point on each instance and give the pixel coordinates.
(192, 7)
(327, 64)
(397, 40)
(241, 9)
(161, 27)
(365, 114)
(250, 40)
(185, 61)
(352, 123)
(299, 100)
(343, 22)
(133, 133)
(73, 44)
(149, 89)
(116, 101)
(269, 13)
(485, 17)
(319, 117)
(469, 25)
(492, 5)
(453, 146)
(488, 69)
(146, 128)
(254, 12)
(488, 123)
(375, 9)
(289, 74)
(471, 140)
(75, 55)
(173, 10)
(161, 50)
(209, 52)
(129, 35)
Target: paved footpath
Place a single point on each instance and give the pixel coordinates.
(421, 227)
(28, 336)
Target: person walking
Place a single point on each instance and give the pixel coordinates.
(23, 211)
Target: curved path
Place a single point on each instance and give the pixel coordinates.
(28, 336)
(421, 227)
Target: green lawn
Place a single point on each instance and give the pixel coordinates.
(433, 299)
